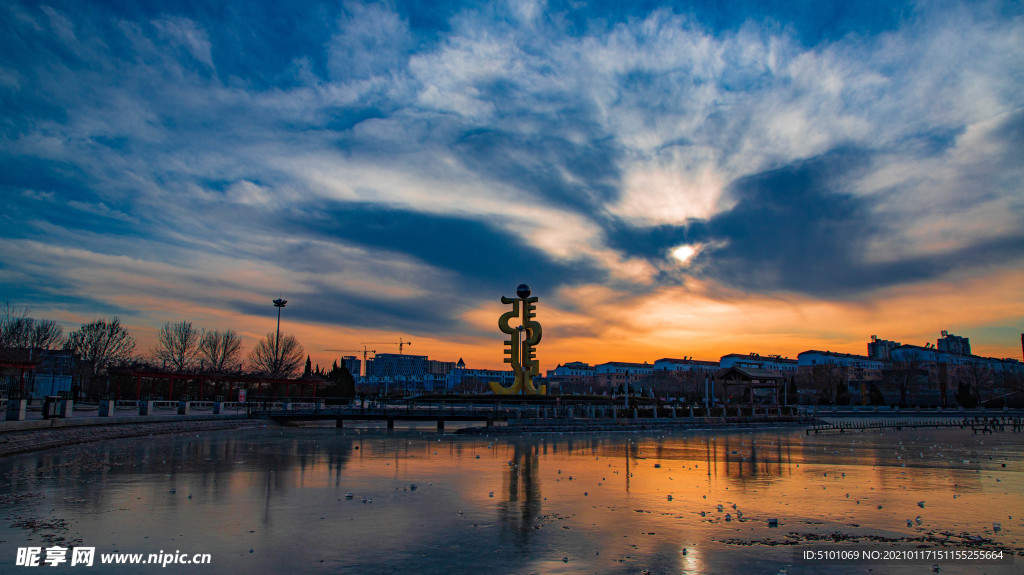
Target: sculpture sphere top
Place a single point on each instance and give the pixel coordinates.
(523, 291)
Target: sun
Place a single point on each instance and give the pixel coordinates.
(684, 253)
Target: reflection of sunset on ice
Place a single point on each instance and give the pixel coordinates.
(553, 503)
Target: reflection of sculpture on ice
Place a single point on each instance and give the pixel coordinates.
(521, 353)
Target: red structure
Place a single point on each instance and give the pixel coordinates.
(20, 361)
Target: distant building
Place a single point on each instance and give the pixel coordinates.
(881, 349)
(936, 375)
(668, 377)
(55, 375)
(394, 365)
(441, 368)
(425, 383)
(16, 369)
(927, 376)
(573, 376)
(623, 367)
(37, 372)
(782, 365)
(614, 375)
(954, 344)
(353, 364)
(410, 374)
(572, 369)
(825, 373)
(813, 357)
(751, 386)
(933, 355)
(686, 364)
(476, 380)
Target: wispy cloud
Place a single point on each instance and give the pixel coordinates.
(398, 168)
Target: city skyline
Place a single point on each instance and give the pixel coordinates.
(670, 178)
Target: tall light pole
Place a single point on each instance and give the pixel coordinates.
(278, 303)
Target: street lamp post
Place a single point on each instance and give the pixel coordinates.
(278, 303)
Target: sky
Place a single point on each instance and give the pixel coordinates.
(671, 179)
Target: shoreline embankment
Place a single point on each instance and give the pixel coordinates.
(29, 436)
(26, 440)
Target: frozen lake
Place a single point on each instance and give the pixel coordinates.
(274, 500)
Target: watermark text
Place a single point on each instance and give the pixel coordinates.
(86, 557)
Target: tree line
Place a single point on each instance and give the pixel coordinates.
(104, 344)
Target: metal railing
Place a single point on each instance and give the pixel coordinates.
(499, 409)
(978, 423)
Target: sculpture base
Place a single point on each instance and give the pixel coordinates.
(516, 389)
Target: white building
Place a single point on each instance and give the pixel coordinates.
(623, 367)
(686, 364)
(783, 365)
(461, 377)
(572, 369)
(814, 357)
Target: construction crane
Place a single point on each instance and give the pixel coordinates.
(362, 368)
(399, 343)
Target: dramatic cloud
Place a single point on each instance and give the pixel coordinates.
(396, 167)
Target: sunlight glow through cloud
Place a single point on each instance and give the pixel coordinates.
(684, 254)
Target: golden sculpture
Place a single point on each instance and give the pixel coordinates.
(520, 351)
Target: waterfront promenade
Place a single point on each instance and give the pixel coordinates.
(73, 414)
(574, 414)
(85, 423)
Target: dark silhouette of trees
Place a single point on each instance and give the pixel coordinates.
(964, 395)
(943, 381)
(792, 394)
(830, 382)
(1014, 383)
(904, 373)
(100, 345)
(18, 331)
(340, 382)
(841, 376)
(220, 351)
(875, 395)
(177, 345)
(278, 359)
(977, 377)
(663, 384)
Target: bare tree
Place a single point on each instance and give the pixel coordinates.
(829, 380)
(101, 344)
(279, 359)
(978, 378)
(904, 373)
(45, 334)
(688, 384)
(220, 350)
(17, 330)
(13, 324)
(177, 344)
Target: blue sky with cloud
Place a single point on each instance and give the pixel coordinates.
(398, 166)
